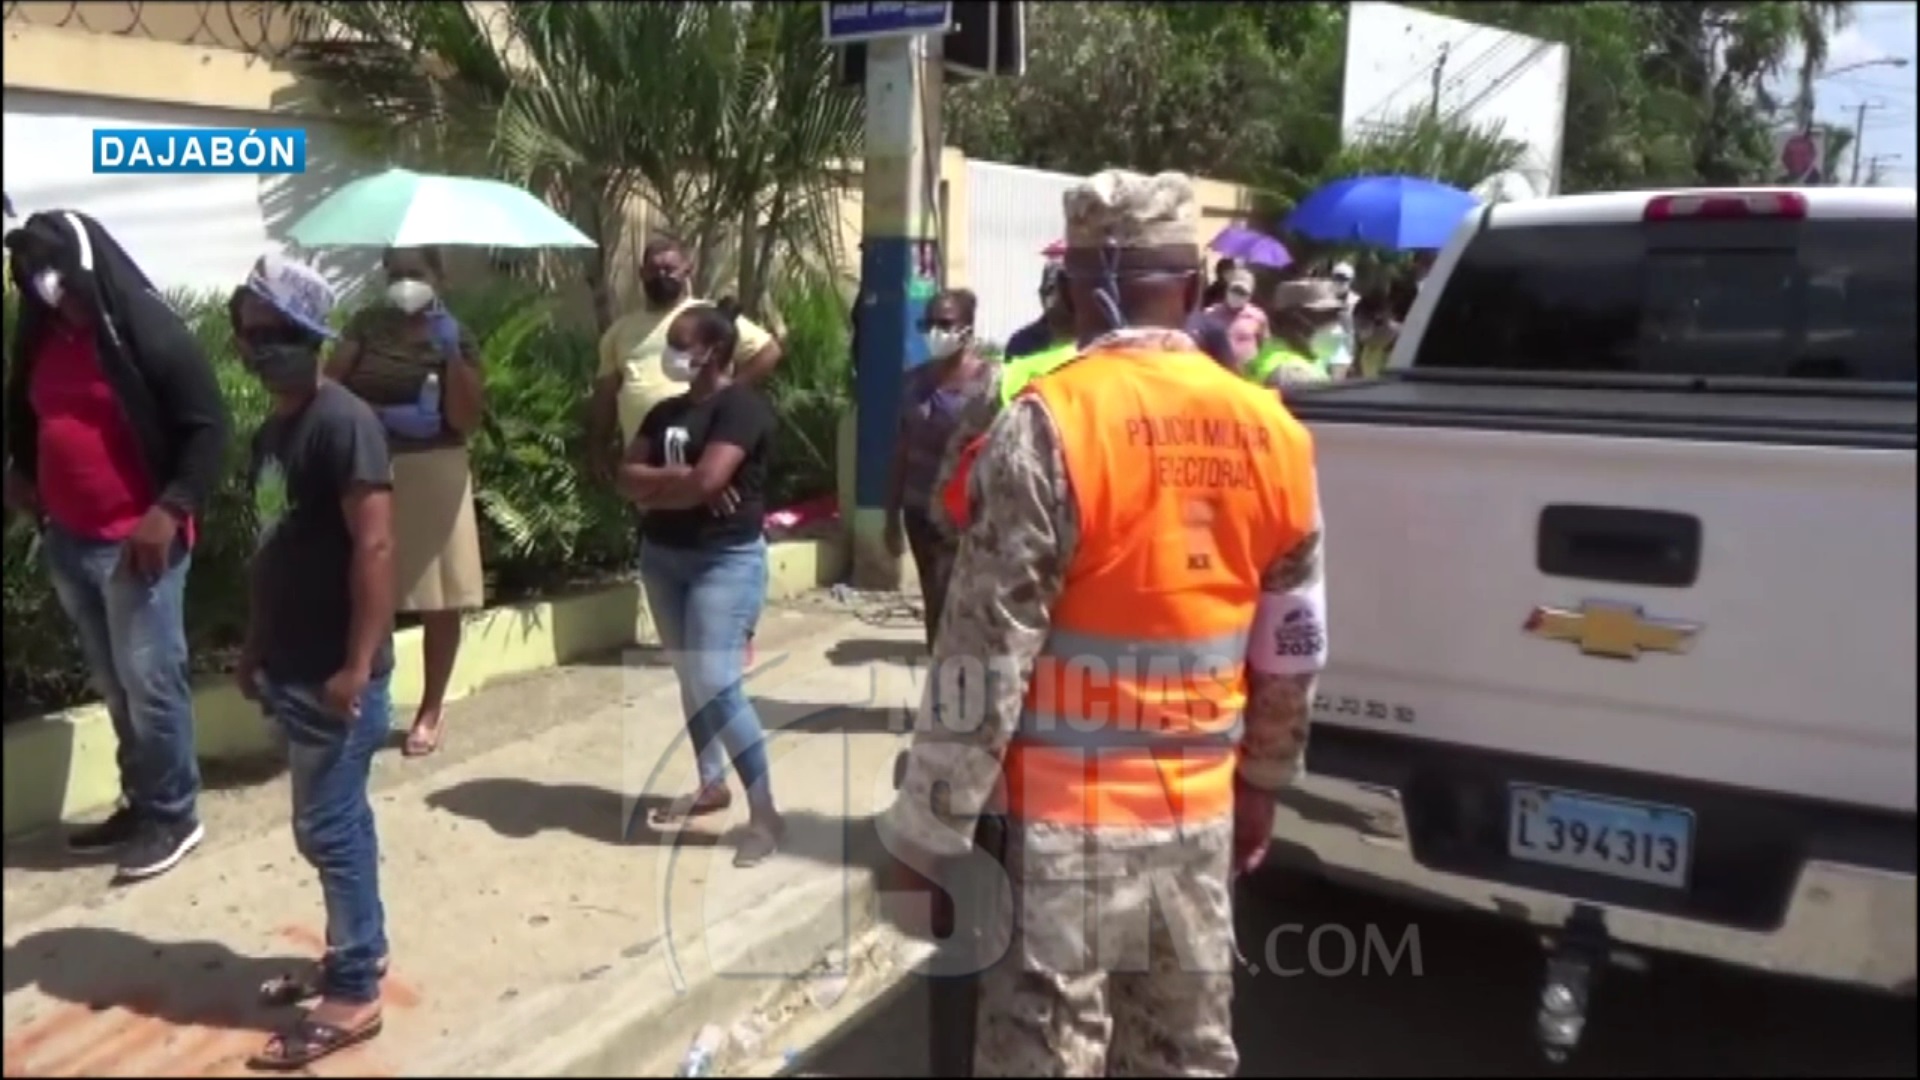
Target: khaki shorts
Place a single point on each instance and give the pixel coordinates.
(436, 538)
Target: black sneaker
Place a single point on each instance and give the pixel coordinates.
(158, 847)
(105, 836)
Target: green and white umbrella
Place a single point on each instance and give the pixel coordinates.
(402, 208)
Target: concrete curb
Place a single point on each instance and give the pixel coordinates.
(61, 766)
(638, 1019)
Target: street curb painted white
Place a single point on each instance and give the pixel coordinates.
(62, 766)
(637, 1019)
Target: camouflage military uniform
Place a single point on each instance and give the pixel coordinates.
(1120, 958)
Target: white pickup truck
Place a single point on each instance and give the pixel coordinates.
(1621, 571)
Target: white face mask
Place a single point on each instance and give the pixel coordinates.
(1236, 301)
(410, 296)
(678, 365)
(46, 285)
(943, 343)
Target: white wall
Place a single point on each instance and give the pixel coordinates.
(186, 232)
(1013, 214)
(1488, 75)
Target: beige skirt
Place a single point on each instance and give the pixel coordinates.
(436, 538)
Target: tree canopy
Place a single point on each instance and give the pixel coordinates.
(728, 119)
(1659, 93)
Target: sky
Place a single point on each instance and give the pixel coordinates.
(1881, 29)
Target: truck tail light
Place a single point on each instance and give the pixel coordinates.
(1724, 205)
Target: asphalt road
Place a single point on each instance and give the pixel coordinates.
(1471, 1009)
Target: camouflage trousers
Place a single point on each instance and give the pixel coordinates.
(1119, 956)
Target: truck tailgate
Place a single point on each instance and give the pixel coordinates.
(1797, 676)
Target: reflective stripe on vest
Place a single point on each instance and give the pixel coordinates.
(1016, 374)
(1096, 692)
(1188, 483)
(1271, 358)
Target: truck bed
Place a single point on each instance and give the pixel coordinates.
(1855, 416)
(1779, 528)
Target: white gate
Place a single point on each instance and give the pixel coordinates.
(1013, 214)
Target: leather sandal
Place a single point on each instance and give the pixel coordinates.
(308, 1041)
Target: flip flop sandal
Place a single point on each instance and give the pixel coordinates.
(283, 991)
(688, 807)
(307, 1042)
(756, 844)
(422, 742)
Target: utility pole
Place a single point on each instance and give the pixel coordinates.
(897, 223)
(1439, 73)
(1859, 136)
(897, 241)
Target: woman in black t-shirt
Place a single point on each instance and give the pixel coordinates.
(698, 467)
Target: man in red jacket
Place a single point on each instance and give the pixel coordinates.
(116, 435)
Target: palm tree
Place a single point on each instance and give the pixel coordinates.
(1813, 23)
(727, 118)
(1421, 144)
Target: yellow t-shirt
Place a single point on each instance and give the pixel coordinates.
(631, 348)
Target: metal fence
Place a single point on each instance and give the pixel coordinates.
(1013, 214)
(270, 29)
(267, 30)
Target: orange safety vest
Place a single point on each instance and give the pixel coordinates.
(1014, 376)
(955, 495)
(1189, 483)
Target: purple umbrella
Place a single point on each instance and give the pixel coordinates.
(1246, 245)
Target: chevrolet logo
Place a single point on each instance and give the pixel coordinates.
(1620, 631)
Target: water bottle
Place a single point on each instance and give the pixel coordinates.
(699, 1059)
(430, 394)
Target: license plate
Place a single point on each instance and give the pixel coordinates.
(1634, 841)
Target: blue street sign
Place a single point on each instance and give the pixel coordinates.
(847, 23)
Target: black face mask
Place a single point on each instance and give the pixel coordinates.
(284, 367)
(662, 289)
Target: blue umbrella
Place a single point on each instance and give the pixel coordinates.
(1256, 248)
(1403, 213)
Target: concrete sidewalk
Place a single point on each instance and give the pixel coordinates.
(530, 936)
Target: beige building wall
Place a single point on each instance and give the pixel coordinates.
(207, 54)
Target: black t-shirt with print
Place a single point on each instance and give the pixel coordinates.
(303, 466)
(678, 431)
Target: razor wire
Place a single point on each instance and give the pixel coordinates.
(270, 30)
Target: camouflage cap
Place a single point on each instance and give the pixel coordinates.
(1132, 210)
(1307, 294)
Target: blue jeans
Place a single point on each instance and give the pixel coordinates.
(133, 636)
(705, 603)
(329, 757)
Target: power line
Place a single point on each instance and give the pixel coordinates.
(1864, 85)
(1483, 62)
(1424, 71)
(1506, 78)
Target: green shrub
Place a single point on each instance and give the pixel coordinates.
(542, 519)
(543, 523)
(811, 390)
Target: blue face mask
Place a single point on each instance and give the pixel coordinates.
(1107, 292)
